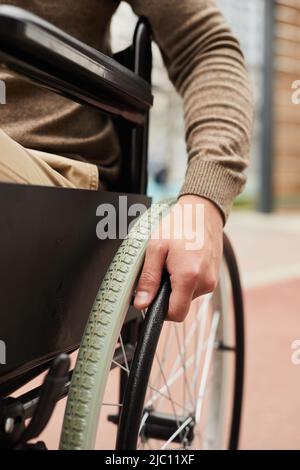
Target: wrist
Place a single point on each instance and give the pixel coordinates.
(210, 207)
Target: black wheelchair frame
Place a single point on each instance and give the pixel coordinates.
(76, 261)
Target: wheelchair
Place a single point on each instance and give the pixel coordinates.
(179, 386)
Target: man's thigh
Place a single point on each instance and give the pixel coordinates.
(26, 166)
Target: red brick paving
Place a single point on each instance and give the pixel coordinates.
(271, 418)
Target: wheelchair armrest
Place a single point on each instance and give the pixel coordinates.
(46, 55)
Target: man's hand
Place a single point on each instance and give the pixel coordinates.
(193, 271)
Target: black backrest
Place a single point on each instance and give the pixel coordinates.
(134, 137)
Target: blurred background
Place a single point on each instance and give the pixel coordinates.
(265, 225)
(269, 32)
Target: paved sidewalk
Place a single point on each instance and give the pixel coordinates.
(268, 249)
(268, 246)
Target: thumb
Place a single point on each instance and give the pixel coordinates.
(150, 278)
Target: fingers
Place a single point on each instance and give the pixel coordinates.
(150, 278)
(206, 282)
(189, 279)
(180, 301)
(191, 282)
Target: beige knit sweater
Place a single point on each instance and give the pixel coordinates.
(204, 62)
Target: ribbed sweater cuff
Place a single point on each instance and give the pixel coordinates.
(212, 181)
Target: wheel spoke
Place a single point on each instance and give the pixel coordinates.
(119, 405)
(193, 329)
(199, 347)
(182, 359)
(168, 390)
(165, 354)
(124, 354)
(178, 431)
(170, 382)
(144, 419)
(120, 366)
(207, 361)
(163, 395)
(175, 377)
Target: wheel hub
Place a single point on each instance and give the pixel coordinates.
(162, 426)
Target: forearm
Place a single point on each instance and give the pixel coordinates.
(218, 111)
(206, 65)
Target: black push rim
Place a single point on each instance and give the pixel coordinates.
(135, 391)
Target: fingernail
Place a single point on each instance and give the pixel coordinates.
(142, 297)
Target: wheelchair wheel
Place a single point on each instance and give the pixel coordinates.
(184, 385)
(186, 381)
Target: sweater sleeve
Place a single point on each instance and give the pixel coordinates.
(206, 65)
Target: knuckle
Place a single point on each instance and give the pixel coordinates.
(179, 319)
(205, 266)
(191, 275)
(177, 314)
(176, 317)
(155, 247)
(210, 282)
(148, 278)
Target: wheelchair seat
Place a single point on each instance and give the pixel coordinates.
(52, 262)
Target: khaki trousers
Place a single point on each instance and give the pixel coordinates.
(26, 166)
